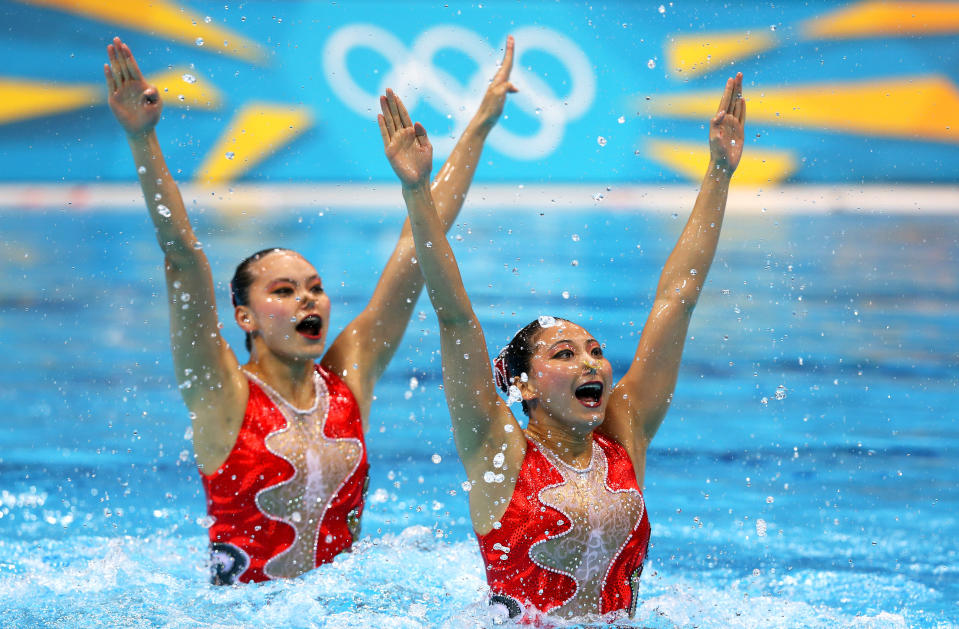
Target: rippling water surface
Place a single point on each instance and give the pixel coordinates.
(805, 475)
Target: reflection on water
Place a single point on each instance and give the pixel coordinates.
(802, 478)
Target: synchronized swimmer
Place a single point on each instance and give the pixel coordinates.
(279, 440)
(557, 507)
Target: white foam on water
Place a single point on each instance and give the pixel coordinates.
(416, 578)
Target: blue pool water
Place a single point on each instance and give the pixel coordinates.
(804, 477)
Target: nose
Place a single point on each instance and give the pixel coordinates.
(590, 366)
(306, 298)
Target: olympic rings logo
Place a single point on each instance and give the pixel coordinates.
(414, 69)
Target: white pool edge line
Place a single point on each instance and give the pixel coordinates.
(893, 198)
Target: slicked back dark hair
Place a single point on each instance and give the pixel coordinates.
(243, 279)
(516, 357)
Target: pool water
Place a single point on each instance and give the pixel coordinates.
(804, 477)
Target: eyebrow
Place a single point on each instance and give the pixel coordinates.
(294, 282)
(561, 341)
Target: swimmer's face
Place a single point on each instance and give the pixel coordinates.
(288, 309)
(570, 378)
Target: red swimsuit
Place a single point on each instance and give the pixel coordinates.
(598, 520)
(289, 496)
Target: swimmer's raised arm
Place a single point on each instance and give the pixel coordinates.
(206, 369)
(478, 413)
(642, 397)
(365, 347)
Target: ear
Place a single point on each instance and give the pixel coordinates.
(526, 389)
(244, 319)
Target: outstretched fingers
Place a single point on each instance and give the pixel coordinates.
(387, 119)
(111, 81)
(507, 66)
(115, 70)
(381, 121)
(133, 70)
(725, 103)
(405, 119)
(393, 109)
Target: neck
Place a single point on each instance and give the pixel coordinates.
(292, 379)
(574, 447)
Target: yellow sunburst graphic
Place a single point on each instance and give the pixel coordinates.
(757, 167)
(162, 19)
(22, 99)
(922, 107)
(690, 55)
(256, 131)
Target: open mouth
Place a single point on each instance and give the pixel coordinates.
(310, 326)
(590, 394)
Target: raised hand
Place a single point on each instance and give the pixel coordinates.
(495, 98)
(726, 127)
(406, 145)
(134, 102)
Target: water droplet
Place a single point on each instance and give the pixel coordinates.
(229, 155)
(466, 486)
(781, 392)
(601, 141)
(546, 321)
(163, 211)
(142, 170)
(760, 531)
(621, 119)
(651, 64)
(436, 459)
(770, 500)
(198, 41)
(662, 9)
(692, 271)
(575, 237)
(514, 396)
(508, 427)
(208, 19)
(489, 477)
(498, 460)
(574, 263)
(565, 294)
(188, 78)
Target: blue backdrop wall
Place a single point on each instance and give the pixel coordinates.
(614, 91)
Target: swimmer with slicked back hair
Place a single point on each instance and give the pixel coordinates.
(558, 508)
(279, 439)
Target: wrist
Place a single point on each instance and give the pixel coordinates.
(479, 127)
(719, 170)
(416, 188)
